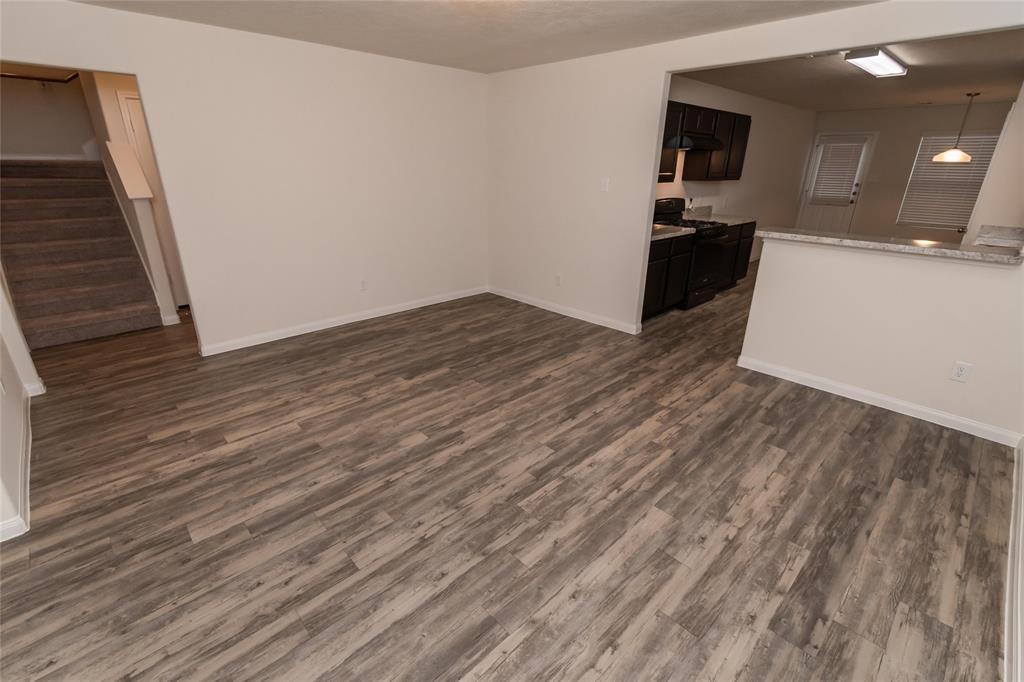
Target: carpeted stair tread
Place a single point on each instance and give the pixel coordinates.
(83, 317)
(69, 299)
(47, 229)
(74, 207)
(53, 330)
(24, 168)
(58, 251)
(17, 273)
(55, 188)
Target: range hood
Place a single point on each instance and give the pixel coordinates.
(695, 141)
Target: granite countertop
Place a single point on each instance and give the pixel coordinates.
(669, 231)
(983, 254)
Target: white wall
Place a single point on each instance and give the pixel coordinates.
(899, 135)
(781, 137)
(1001, 201)
(896, 334)
(292, 170)
(565, 126)
(103, 100)
(44, 120)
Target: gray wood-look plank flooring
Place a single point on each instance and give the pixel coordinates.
(482, 490)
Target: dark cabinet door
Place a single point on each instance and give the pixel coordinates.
(699, 120)
(738, 147)
(654, 290)
(728, 264)
(675, 282)
(719, 159)
(743, 258)
(673, 121)
(695, 164)
(667, 168)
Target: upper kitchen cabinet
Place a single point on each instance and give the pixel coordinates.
(698, 120)
(690, 127)
(670, 142)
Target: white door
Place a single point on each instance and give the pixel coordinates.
(834, 178)
(138, 136)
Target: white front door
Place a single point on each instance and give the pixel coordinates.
(838, 164)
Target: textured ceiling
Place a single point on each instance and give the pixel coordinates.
(940, 72)
(481, 35)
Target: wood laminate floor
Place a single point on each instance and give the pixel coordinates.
(483, 490)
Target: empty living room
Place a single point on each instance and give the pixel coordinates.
(615, 340)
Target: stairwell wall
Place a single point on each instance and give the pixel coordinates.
(294, 172)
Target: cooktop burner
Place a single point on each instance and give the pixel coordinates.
(679, 221)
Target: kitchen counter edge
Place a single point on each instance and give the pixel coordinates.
(982, 254)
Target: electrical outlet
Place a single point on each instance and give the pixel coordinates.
(362, 285)
(558, 280)
(961, 371)
(606, 184)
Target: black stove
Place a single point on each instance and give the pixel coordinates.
(676, 220)
(670, 212)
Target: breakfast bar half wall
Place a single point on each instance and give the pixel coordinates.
(888, 322)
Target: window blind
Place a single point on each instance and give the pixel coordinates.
(838, 163)
(943, 194)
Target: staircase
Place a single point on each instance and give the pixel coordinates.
(71, 264)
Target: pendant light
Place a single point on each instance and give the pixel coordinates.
(957, 155)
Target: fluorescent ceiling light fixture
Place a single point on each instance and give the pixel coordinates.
(877, 62)
(957, 155)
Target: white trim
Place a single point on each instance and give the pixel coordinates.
(274, 335)
(34, 388)
(1013, 621)
(12, 528)
(46, 157)
(169, 319)
(971, 426)
(617, 325)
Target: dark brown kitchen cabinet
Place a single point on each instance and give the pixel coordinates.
(718, 161)
(743, 259)
(699, 120)
(670, 142)
(738, 147)
(654, 290)
(667, 167)
(668, 270)
(673, 125)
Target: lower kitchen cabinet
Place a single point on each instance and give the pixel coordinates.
(654, 291)
(668, 269)
(675, 280)
(743, 258)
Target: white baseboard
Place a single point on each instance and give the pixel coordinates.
(618, 325)
(1013, 622)
(12, 528)
(971, 426)
(168, 320)
(34, 388)
(297, 330)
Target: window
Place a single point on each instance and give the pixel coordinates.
(836, 175)
(942, 195)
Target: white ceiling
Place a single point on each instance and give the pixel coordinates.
(481, 35)
(940, 72)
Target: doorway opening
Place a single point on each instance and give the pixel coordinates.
(89, 249)
(813, 143)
